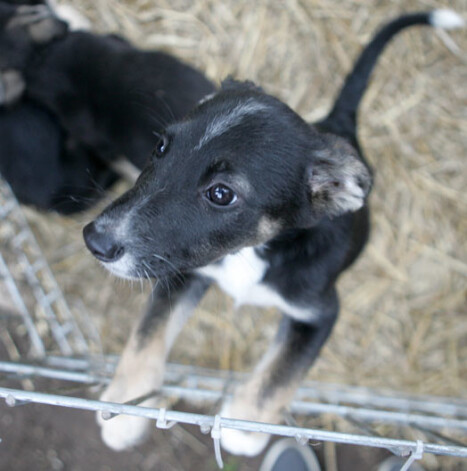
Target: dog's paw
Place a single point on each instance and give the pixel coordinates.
(238, 442)
(124, 431)
(243, 443)
(39, 21)
(28, 14)
(11, 87)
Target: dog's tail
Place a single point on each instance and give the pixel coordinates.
(343, 117)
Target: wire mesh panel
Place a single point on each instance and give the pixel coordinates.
(65, 347)
(33, 290)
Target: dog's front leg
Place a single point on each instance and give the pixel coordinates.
(142, 364)
(273, 383)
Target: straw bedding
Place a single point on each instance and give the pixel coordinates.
(403, 318)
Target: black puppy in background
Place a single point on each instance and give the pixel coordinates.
(45, 168)
(106, 98)
(43, 165)
(244, 193)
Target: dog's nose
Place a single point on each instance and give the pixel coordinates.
(101, 244)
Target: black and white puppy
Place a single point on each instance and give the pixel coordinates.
(106, 97)
(244, 193)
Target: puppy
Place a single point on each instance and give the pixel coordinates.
(44, 167)
(96, 89)
(23, 29)
(106, 93)
(244, 193)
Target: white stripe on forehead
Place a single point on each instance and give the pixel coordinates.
(222, 123)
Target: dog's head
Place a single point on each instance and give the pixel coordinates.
(240, 169)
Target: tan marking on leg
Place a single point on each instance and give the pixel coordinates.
(249, 402)
(140, 371)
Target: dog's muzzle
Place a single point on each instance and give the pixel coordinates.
(102, 244)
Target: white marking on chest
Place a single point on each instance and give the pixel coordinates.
(240, 276)
(237, 274)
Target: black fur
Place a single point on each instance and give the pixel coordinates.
(300, 177)
(272, 151)
(101, 94)
(112, 96)
(299, 198)
(342, 119)
(44, 167)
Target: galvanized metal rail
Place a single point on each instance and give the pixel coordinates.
(22, 264)
(48, 317)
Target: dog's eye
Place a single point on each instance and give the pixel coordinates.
(221, 195)
(161, 146)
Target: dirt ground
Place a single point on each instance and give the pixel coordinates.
(42, 438)
(46, 438)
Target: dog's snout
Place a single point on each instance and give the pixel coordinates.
(102, 244)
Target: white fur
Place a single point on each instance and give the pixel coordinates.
(124, 431)
(222, 123)
(241, 443)
(207, 98)
(352, 198)
(122, 267)
(237, 273)
(76, 21)
(446, 19)
(240, 275)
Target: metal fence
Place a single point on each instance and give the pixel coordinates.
(63, 345)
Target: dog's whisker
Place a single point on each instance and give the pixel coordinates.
(169, 263)
(157, 119)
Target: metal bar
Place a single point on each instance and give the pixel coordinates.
(296, 407)
(438, 436)
(404, 446)
(203, 384)
(24, 235)
(300, 407)
(336, 393)
(41, 297)
(30, 370)
(36, 340)
(331, 393)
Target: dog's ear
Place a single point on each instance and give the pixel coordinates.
(337, 180)
(230, 84)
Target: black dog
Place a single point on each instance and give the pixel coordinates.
(245, 193)
(107, 99)
(43, 166)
